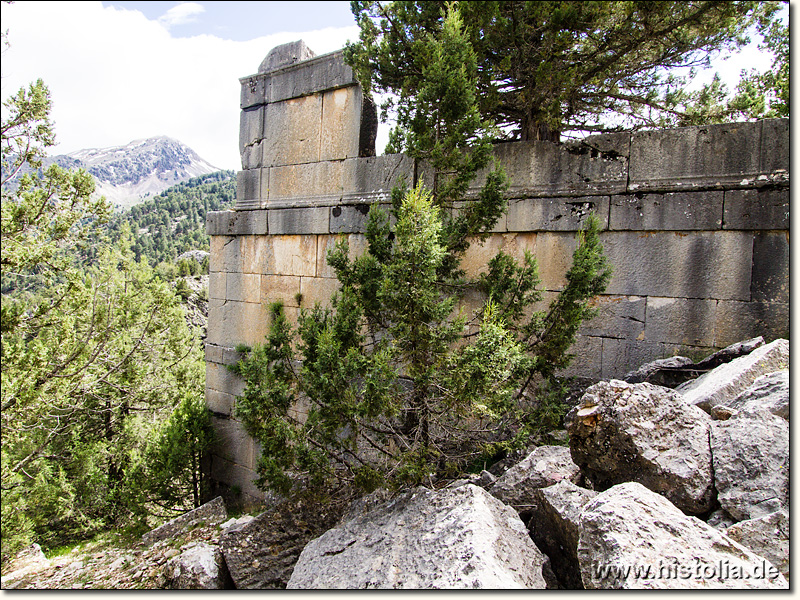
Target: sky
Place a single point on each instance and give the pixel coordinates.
(122, 71)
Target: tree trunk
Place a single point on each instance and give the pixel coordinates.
(533, 128)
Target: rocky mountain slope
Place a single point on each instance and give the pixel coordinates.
(126, 174)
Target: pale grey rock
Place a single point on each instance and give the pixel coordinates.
(729, 353)
(645, 433)
(210, 513)
(719, 519)
(200, 566)
(555, 528)
(720, 412)
(285, 55)
(260, 553)
(630, 527)
(452, 538)
(770, 391)
(725, 382)
(652, 369)
(543, 467)
(751, 463)
(767, 536)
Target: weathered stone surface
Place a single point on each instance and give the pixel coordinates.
(225, 223)
(280, 287)
(235, 445)
(621, 317)
(294, 221)
(723, 384)
(452, 538)
(554, 214)
(651, 372)
(645, 433)
(555, 528)
(318, 74)
(341, 123)
(349, 218)
(285, 55)
(543, 467)
(597, 165)
(770, 392)
(292, 131)
(301, 183)
(209, 513)
(770, 281)
(740, 320)
(766, 536)
(199, 566)
(677, 265)
(766, 208)
(729, 353)
(251, 128)
(630, 527)
(695, 157)
(262, 553)
(686, 321)
(231, 474)
(751, 463)
(673, 211)
(775, 136)
(372, 178)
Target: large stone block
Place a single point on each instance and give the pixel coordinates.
(349, 218)
(764, 208)
(711, 156)
(617, 317)
(293, 221)
(235, 445)
(775, 147)
(319, 183)
(341, 123)
(588, 361)
(770, 280)
(236, 223)
(220, 403)
(357, 245)
(317, 290)
(255, 90)
(554, 254)
(216, 285)
(233, 475)
(737, 321)
(555, 214)
(372, 178)
(478, 255)
(294, 255)
(597, 165)
(292, 131)
(686, 321)
(243, 287)
(231, 323)
(701, 265)
(280, 287)
(248, 188)
(251, 127)
(256, 253)
(217, 244)
(619, 356)
(285, 55)
(220, 378)
(252, 156)
(667, 212)
(325, 72)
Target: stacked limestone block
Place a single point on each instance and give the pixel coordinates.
(696, 227)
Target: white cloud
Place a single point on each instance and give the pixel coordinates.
(116, 76)
(186, 12)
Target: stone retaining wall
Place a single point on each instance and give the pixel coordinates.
(696, 227)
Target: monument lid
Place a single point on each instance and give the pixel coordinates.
(284, 55)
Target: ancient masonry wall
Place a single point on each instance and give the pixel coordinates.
(696, 219)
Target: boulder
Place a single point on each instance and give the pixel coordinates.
(725, 382)
(200, 566)
(632, 538)
(726, 355)
(458, 537)
(210, 513)
(751, 463)
(660, 372)
(645, 433)
(543, 467)
(766, 536)
(770, 391)
(554, 528)
(261, 552)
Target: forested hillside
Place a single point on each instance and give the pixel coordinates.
(167, 225)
